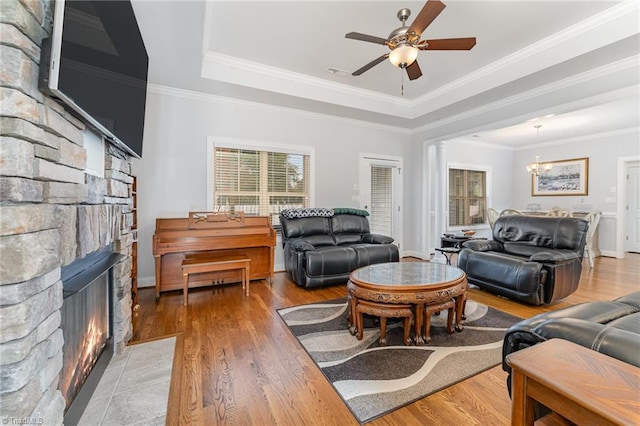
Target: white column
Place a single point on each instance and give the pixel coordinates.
(441, 205)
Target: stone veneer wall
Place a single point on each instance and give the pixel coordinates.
(51, 213)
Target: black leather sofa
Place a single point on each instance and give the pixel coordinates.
(537, 260)
(611, 327)
(323, 246)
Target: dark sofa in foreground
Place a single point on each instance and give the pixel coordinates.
(611, 327)
(323, 246)
(537, 260)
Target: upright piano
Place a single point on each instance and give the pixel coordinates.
(208, 232)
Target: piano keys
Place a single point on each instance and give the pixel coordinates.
(208, 232)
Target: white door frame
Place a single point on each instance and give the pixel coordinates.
(364, 160)
(621, 216)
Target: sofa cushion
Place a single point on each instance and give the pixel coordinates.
(348, 210)
(539, 254)
(347, 239)
(515, 274)
(376, 239)
(320, 240)
(305, 227)
(369, 254)
(349, 224)
(549, 232)
(327, 261)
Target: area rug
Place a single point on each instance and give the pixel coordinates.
(374, 380)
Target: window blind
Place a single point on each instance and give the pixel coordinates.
(467, 197)
(381, 211)
(259, 182)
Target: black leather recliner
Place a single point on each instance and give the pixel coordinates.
(536, 260)
(324, 249)
(611, 327)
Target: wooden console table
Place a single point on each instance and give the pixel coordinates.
(577, 383)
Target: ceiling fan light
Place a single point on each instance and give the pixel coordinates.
(403, 55)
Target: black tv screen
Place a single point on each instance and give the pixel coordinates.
(97, 64)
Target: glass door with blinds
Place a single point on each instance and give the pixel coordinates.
(380, 190)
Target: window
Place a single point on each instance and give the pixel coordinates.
(467, 197)
(259, 182)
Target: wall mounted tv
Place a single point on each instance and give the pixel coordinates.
(96, 63)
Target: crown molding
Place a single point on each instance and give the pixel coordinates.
(608, 26)
(623, 10)
(477, 143)
(584, 138)
(585, 77)
(258, 106)
(229, 69)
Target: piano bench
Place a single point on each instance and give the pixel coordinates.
(214, 262)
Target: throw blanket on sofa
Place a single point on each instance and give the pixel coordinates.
(306, 212)
(321, 212)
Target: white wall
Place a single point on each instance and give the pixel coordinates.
(172, 173)
(603, 152)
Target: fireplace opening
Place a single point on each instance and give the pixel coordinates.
(87, 327)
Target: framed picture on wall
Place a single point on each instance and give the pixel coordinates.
(566, 177)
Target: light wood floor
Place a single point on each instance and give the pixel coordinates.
(238, 364)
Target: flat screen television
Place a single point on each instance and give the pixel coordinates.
(96, 63)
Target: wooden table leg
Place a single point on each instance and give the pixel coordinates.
(185, 287)
(450, 314)
(522, 406)
(353, 316)
(460, 304)
(245, 278)
(427, 326)
(417, 328)
(158, 271)
(383, 331)
(406, 330)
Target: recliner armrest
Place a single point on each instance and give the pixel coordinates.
(554, 256)
(376, 239)
(300, 245)
(483, 245)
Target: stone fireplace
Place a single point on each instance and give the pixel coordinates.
(53, 215)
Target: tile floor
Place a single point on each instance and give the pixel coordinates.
(134, 389)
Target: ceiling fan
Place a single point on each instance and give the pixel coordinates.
(405, 42)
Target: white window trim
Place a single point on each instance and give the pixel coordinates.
(489, 186)
(256, 145)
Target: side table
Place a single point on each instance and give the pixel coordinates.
(448, 252)
(577, 383)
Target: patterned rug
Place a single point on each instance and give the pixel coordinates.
(374, 380)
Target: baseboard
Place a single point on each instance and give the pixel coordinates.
(416, 254)
(607, 253)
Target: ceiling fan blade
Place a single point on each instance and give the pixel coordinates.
(413, 71)
(371, 64)
(429, 12)
(366, 37)
(449, 44)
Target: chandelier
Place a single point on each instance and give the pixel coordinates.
(537, 168)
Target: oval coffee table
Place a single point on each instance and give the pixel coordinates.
(390, 287)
